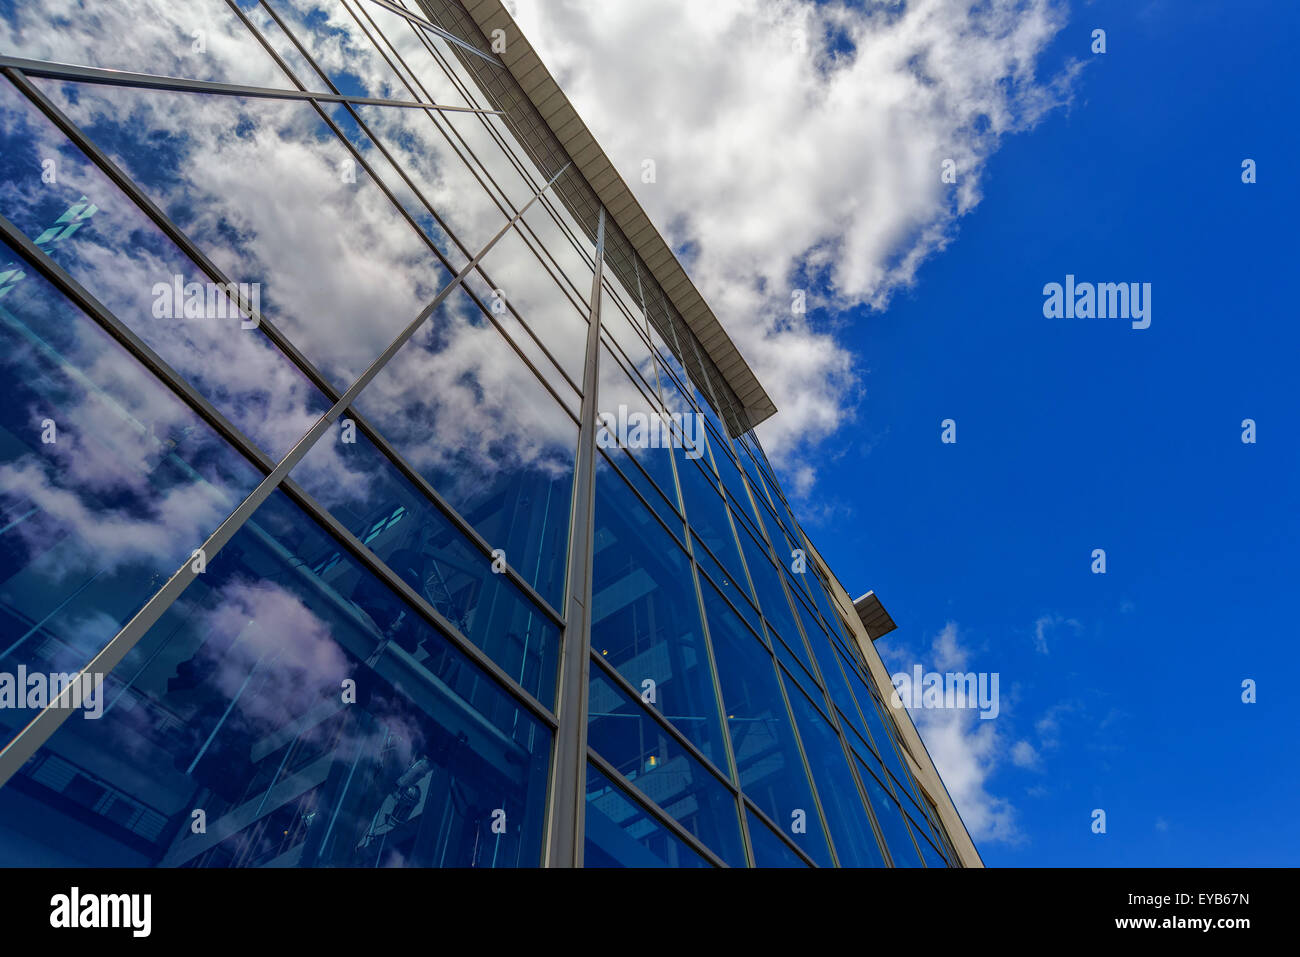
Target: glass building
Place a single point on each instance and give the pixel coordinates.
(375, 487)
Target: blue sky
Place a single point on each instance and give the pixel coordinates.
(1075, 434)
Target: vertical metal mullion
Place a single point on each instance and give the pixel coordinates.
(566, 811)
(42, 727)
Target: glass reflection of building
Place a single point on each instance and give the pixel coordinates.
(432, 622)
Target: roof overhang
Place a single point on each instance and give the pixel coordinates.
(873, 616)
(523, 63)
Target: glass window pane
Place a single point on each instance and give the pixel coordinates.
(828, 662)
(627, 467)
(197, 40)
(737, 591)
(394, 519)
(517, 280)
(897, 835)
(489, 437)
(258, 185)
(706, 513)
(91, 229)
(794, 670)
(631, 420)
(762, 738)
(108, 482)
(620, 833)
(645, 618)
(770, 850)
(855, 842)
(620, 731)
(772, 600)
(273, 698)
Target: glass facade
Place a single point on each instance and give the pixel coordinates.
(372, 499)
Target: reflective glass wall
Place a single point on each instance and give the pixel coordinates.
(308, 326)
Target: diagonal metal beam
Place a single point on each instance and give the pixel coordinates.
(89, 74)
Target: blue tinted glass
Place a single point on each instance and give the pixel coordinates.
(706, 513)
(931, 856)
(795, 670)
(645, 619)
(620, 731)
(346, 474)
(762, 738)
(288, 714)
(828, 662)
(619, 832)
(772, 600)
(855, 843)
(623, 461)
(108, 482)
(890, 818)
(461, 407)
(884, 742)
(733, 483)
(924, 835)
(770, 850)
(737, 591)
(86, 225)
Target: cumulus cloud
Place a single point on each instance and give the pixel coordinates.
(799, 145)
(967, 751)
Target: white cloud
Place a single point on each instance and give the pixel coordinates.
(779, 168)
(966, 750)
(1046, 624)
(1023, 755)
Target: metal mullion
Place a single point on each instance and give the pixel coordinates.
(39, 730)
(754, 809)
(85, 74)
(636, 795)
(377, 567)
(445, 34)
(612, 674)
(566, 805)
